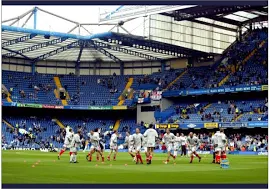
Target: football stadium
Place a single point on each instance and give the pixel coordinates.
(135, 94)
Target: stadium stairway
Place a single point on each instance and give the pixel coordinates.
(238, 117)
(8, 124)
(243, 63)
(116, 125)
(207, 106)
(224, 80)
(8, 98)
(252, 53)
(59, 123)
(176, 79)
(132, 91)
(121, 102)
(130, 96)
(122, 98)
(59, 85)
(56, 93)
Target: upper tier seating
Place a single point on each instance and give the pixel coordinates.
(252, 110)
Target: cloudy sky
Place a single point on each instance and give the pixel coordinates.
(81, 14)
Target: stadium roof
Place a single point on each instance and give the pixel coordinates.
(228, 18)
(44, 45)
(37, 45)
(224, 17)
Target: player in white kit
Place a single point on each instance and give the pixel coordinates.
(144, 146)
(138, 141)
(183, 141)
(215, 145)
(129, 142)
(113, 146)
(150, 136)
(90, 135)
(221, 146)
(75, 146)
(95, 147)
(68, 139)
(176, 144)
(225, 143)
(101, 142)
(193, 143)
(168, 140)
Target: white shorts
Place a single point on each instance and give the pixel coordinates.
(144, 149)
(74, 149)
(151, 144)
(131, 149)
(138, 148)
(176, 147)
(66, 141)
(66, 145)
(220, 149)
(113, 147)
(97, 148)
(169, 147)
(193, 149)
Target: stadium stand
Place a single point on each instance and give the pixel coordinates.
(105, 90)
(228, 111)
(25, 87)
(211, 77)
(94, 90)
(115, 70)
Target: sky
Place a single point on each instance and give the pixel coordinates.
(81, 14)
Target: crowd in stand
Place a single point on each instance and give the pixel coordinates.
(28, 134)
(221, 114)
(242, 142)
(160, 79)
(34, 86)
(249, 76)
(242, 48)
(183, 112)
(109, 82)
(234, 57)
(194, 75)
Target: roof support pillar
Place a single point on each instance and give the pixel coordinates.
(77, 69)
(77, 66)
(33, 68)
(191, 61)
(95, 68)
(163, 66)
(35, 17)
(240, 34)
(121, 68)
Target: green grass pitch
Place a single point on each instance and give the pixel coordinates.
(17, 168)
